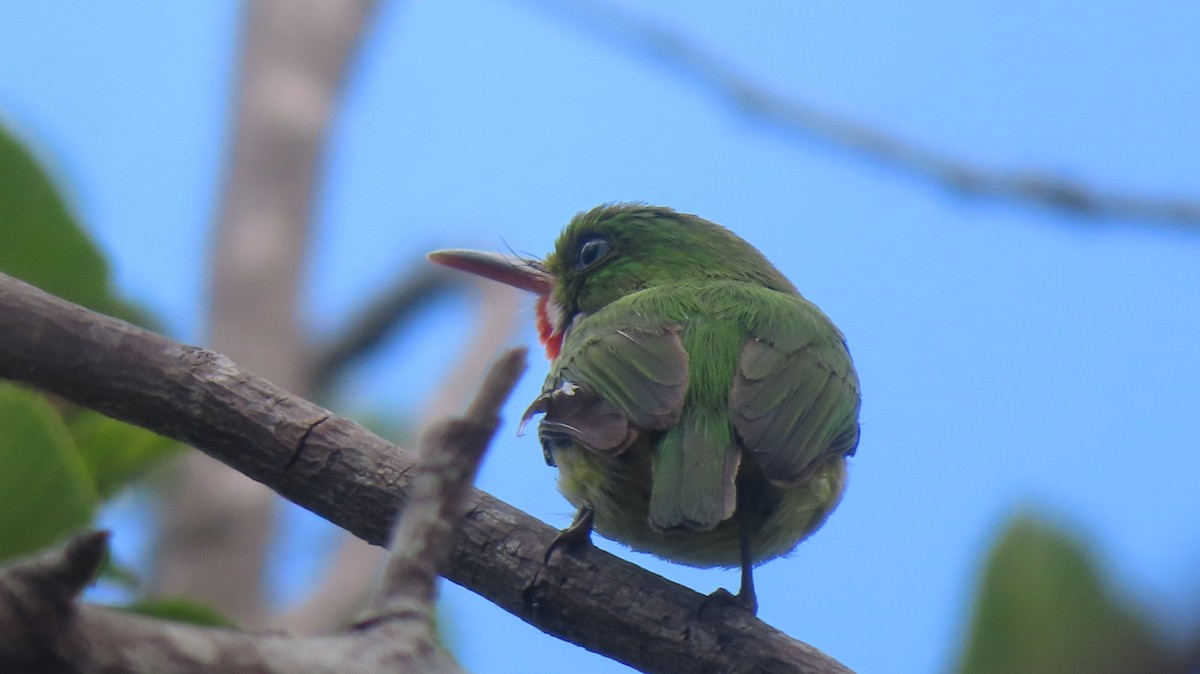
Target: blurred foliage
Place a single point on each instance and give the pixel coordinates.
(116, 453)
(1045, 607)
(41, 242)
(46, 487)
(58, 462)
(179, 610)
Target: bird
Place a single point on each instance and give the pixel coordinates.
(697, 406)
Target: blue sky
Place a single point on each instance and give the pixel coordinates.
(1010, 358)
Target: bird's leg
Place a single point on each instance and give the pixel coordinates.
(576, 536)
(746, 594)
(745, 598)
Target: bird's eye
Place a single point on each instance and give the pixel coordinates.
(591, 252)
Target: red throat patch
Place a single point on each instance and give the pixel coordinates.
(546, 335)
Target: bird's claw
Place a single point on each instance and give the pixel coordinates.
(575, 537)
(724, 598)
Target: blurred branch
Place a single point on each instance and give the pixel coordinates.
(494, 320)
(358, 481)
(294, 57)
(804, 121)
(388, 310)
(65, 635)
(42, 628)
(342, 590)
(292, 69)
(1190, 660)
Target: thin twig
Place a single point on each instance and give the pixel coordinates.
(801, 120)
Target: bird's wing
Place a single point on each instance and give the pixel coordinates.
(622, 375)
(795, 399)
(612, 383)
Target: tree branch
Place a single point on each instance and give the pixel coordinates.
(359, 481)
(804, 121)
(42, 628)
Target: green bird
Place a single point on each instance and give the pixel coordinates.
(697, 407)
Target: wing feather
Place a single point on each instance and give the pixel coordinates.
(642, 372)
(694, 470)
(794, 401)
(615, 385)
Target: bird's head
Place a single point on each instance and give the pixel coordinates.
(615, 250)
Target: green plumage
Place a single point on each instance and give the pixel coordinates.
(795, 412)
(698, 404)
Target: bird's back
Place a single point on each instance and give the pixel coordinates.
(743, 343)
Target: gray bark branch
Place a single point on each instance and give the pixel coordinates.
(359, 481)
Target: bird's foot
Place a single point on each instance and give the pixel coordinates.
(723, 598)
(575, 537)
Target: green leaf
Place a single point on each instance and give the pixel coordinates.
(42, 243)
(180, 610)
(115, 452)
(1045, 607)
(44, 484)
